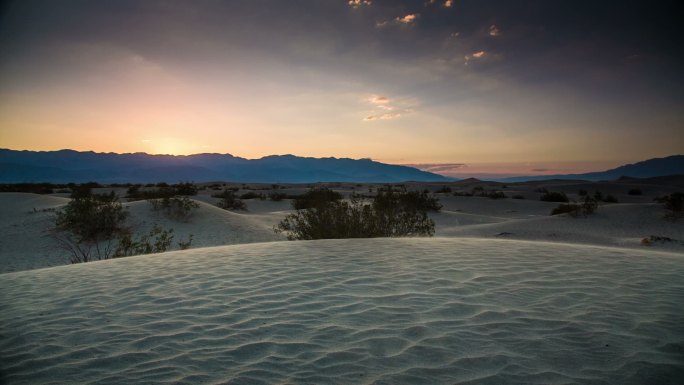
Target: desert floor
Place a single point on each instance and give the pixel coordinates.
(503, 294)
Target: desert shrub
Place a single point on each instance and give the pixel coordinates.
(414, 200)
(88, 224)
(251, 195)
(91, 217)
(588, 206)
(157, 240)
(277, 196)
(582, 193)
(315, 197)
(185, 188)
(175, 207)
(567, 208)
(518, 197)
(610, 199)
(496, 195)
(551, 196)
(634, 191)
(35, 188)
(598, 195)
(674, 204)
(462, 194)
(229, 201)
(541, 190)
(444, 190)
(389, 214)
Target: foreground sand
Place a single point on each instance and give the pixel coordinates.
(381, 311)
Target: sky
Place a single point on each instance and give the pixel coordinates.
(459, 87)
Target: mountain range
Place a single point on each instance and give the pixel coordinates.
(65, 166)
(670, 165)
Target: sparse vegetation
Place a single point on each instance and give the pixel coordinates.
(322, 214)
(229, 201)
(444, 190)
(157, 240)
(551, 196)
(587, 207)
(175, 207)
(634, 191)
(673, 204)
(91, 217)
(251, 195)
(610, 199)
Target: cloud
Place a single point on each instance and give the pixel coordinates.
(474, 55)
(358, 3)
(379, 99)
(385, 108)
(408, 19)
(494, 30)
(448, 3)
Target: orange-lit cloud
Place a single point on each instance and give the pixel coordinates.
(408, 19)
(448, 3)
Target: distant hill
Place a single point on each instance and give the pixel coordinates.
(671, 165)
(73, 166)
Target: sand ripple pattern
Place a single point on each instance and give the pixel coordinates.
(381, 311)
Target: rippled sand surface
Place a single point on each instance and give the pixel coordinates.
(378, 311)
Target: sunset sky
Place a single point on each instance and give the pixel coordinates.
(501, 87)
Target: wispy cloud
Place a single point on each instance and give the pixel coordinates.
(386, 116)
(385, 108)
(379, 99)
(474, 55)
(494, 30)
(358, 3)
(448, 3)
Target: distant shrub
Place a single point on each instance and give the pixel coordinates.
(443, 190)
(251, 195)
(496, 195)
(674, 204)
(229, 201)
(649, 241)
(582, 193)
(541, 190)
(175, 207)
(587, 207)
(35, 188)
(315, 197)
(185, 188)
(551, 196)
(277, 196)
(610, 199)
(598, 196)
(634, 191)
(518, 197)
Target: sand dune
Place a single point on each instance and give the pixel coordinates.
(381, 311)
(623, 225)
(27, 218)
(24, 223)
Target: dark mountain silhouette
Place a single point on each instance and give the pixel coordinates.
(671, 165)
(73, 166)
